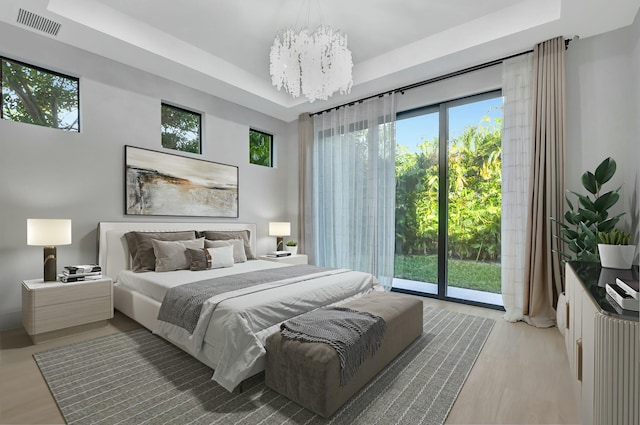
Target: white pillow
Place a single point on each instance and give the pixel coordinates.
(172, 255)
(239, 255)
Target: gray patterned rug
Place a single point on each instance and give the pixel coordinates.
(137, 378)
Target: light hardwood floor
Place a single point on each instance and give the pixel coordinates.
(520, 377)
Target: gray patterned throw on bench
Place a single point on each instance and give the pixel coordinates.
(354, 335)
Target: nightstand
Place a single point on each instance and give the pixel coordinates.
(290, 259)
(55, 309)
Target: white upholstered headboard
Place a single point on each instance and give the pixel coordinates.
(113, 252)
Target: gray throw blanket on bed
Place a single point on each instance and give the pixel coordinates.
(353, 334)
(182, 304)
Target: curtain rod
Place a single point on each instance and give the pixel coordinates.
(434, 79)
(425, 82)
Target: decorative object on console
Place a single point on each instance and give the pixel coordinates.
(279, 229)
(614, 249)
(622, 287)
(622, 297)
(584, 220)
(630, 285)
(158, 183)
(49, 233)
(316, 64)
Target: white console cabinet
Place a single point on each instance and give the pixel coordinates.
(602, 344)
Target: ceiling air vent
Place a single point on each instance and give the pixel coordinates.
(38, 22)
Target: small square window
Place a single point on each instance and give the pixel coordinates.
(37, 96)
(181, 129)
(260, 148)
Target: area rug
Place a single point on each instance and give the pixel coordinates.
(138, 378)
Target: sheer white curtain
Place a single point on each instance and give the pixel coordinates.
(517, 90)
(353, 187)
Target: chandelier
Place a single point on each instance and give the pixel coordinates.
(315, 64)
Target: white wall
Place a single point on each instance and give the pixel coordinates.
(48, 173)
(603, 93)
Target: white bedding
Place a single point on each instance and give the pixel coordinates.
(155, 285)
(233, 327)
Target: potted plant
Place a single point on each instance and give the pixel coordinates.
(589, 217)
(615, 250)
(292, 247)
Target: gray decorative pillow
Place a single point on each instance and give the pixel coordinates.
(141, 247)
(223, 235)
(210, 258)
(239, 255)
(172, 255)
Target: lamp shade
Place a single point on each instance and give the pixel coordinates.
(48, 232)
(279, 228)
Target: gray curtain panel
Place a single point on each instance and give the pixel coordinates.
(543, 273)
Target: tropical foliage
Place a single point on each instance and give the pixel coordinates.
(474, 195)
(589, 217)
(180, 129)
(260, 145)
(36, 96)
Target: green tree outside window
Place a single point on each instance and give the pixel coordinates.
(260, 148)
(36, 96)
(181, 129)
(475, 195)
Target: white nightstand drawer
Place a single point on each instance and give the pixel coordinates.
(70, 292)
(60, 316)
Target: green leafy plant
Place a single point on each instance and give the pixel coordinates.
(474, 195)
(614, 237)
(589, 217)
(292, 243)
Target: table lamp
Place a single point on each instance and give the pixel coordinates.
(279, 229)
(49, 233)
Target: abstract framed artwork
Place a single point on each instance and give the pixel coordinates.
(158, 183)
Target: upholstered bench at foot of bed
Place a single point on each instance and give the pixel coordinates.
(309, 373)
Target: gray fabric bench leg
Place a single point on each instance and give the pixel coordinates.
(309, 373)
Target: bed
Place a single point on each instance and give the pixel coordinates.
(232, 329)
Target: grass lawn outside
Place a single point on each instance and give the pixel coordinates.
(462, 273)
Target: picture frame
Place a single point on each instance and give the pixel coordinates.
(160, 183)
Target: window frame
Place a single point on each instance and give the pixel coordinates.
(48, 71)
(442, 108)
(182, 109)
(271, 147)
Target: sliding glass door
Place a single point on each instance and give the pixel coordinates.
(448, 199)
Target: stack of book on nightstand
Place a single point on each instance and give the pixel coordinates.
(277, 254)
(81, 272)
(625, 292)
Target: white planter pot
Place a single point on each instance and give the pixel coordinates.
(294, 249)
(616, 256)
